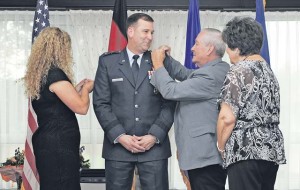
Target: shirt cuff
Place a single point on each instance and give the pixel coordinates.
(117, 139)
(157, 141)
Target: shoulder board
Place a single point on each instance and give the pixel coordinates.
(111, 53)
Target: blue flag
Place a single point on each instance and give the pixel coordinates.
(41, 18)
(260, 17)
(192, 30)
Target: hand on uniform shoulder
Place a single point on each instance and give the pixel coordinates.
(165, 48)
(158, 56)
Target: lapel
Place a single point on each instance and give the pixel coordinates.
(125, 67)
(146, 65)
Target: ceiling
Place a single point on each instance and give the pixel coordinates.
(230, 5)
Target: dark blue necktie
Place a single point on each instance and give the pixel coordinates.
(135, 67)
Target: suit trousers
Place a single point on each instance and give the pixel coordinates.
(252, 175)
(211, 177)
(153, 174)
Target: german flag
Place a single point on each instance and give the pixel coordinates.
(118, 37)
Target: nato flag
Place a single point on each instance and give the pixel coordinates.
(192, 30)
(260, 17)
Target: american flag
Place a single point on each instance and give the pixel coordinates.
(30, 175)
(41, 18)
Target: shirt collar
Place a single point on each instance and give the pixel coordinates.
(130, 55)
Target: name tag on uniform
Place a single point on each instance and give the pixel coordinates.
(117, 80)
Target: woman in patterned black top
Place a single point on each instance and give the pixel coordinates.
(249, 138)
(49, 85)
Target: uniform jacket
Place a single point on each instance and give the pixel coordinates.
(196, 113)
(121, 106)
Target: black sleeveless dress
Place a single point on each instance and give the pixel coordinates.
(56, 142)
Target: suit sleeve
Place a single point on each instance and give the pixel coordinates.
(102, 104)
(201, 86)
(164, 122)
(176, 70)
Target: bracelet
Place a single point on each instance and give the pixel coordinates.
(222, 151)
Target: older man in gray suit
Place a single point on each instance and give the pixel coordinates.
(196, 112)
(134, 116)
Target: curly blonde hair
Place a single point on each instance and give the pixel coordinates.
(51, 49)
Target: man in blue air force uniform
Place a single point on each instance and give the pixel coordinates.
(134, 116)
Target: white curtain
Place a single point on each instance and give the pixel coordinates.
(89, 31)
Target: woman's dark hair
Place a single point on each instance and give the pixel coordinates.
(133, 19)
(245, 34)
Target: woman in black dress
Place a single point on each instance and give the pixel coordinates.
(49, 85)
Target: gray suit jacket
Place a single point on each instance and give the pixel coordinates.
(196, 112)
(121, 106)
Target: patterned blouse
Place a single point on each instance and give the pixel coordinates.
(252, 91)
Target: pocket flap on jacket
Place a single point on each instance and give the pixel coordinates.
(201, 131)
